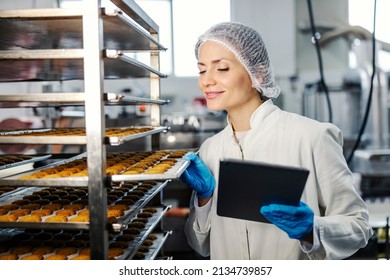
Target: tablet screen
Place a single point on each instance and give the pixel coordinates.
(244, 186)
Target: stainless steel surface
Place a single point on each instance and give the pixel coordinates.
(379, 211)
(87, 44)
(65, 182)
(157, 245)
(135, 12)
(94, 73)
(372, 162)
(377, 130)
(149, 227)
(33, 159)
(173, 173)
(138, 205)
(118, 226)
(121, 99)
(373, 167)
(62, 29)
(24, 138)
(15, 100)
(117, 140)
(155, 110)
(138, 66)
(350, 99)
(53, 65)
(21, 166)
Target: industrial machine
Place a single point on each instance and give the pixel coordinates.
(349, 102)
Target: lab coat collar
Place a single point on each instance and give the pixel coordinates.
(258, 117)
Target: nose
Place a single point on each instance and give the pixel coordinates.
(207, 79)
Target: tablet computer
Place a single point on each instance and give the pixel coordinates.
(244, 186)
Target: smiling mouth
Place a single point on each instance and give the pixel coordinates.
(213, 94)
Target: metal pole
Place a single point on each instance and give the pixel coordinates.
(95, 127)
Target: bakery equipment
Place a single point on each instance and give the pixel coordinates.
(91, 43)
(373, 166)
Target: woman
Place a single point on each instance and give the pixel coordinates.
(331, 222)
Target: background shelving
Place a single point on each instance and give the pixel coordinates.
(90, 44)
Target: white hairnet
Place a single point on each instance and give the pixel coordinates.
(249, 48)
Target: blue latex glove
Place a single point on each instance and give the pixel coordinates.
(296, 221)
(198, 176)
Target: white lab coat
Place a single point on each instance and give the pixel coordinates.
(341, 223)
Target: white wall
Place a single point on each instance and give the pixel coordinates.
(275, 25)
(26, 4)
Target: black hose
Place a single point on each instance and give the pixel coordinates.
(322, 84)
(387, 247)
(367, 111)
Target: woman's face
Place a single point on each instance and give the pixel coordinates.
(223, 80)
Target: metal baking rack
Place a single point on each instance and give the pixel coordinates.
(68, 65)
(174, 172)
(134, 209)
(134, 245)
(24, 138)
(17, 194)
(149, 227)
(117, 226)
(70, 99)
(157, 245)
(66, 32)
(118, 140)
(57, 182)
(154, 249)
(92, 44)
(20, 166)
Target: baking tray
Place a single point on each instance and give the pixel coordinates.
(25, 137)
(155, 248)
(7, 190)
(174, 172)
(63, 29)
(135, 244)
(20, 166)
(117, 226)
(134, 209)
(68, 64)
(29, 100)
(130, 251)
(16, 194)
(15, 180)
(157, 245)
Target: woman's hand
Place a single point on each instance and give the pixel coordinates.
(296, 221)
(198, 176)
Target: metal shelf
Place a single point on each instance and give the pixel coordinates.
(135, 12)
(157, 245)
(20, 166)
(26, 137)
(90, 44)
(67, 64)
(117, 226)
(129, 252)
(69, 99)
(33, 29)
(173, 173)
(149, 227)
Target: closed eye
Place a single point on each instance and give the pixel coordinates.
(223, 69)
